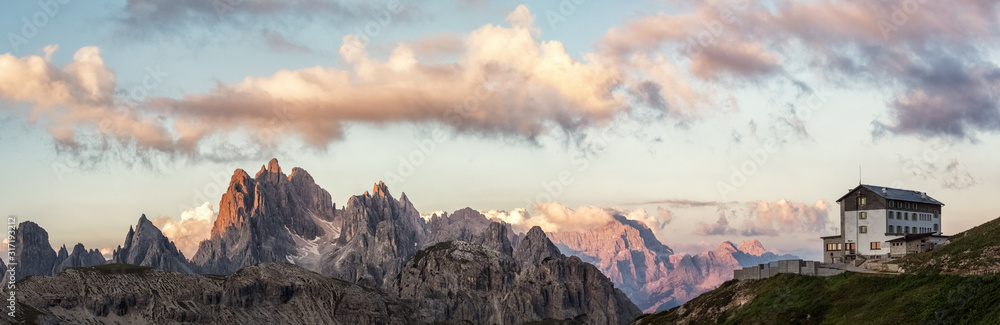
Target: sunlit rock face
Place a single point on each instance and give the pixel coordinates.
(651, 275)
(269, 218)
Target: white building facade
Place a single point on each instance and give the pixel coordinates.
(871, 216)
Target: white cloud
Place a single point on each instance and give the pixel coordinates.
(195, 226)
(428, 216)
(556, 217)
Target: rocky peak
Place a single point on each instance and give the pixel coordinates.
(380, 190)
(236, 203)
(147, 246)
(313, 196)
(535, 248)
(35, 255)
(268, 218)
(80, 257)
(726, 247)
(379, 233)
(495, 238)
(752, 247)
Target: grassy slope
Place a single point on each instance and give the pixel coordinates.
(926, 296)
(964, 253)
(849, 298)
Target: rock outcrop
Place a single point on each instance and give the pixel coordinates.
(463, 225)
(379, 234)
(457, 281)
(145, 245)
(33, 253)
(535, 248)
(269, 218)
(496, 237)
(80, 257)
(271, 293)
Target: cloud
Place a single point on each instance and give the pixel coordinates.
(931, 58)
(719, 228)
(790, 216)
(77, 96)
(194, 227)
(555, 217)
(428, 216)
(665, 215)
(505, 82)
(682, 203)
(957, 176)
(184, 16)
(763, 218)
(108, 253)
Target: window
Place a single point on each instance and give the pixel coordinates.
(876, 245)
(936, 227)
(863, 229)
(862, 200)
(906, 216)
(852, 246)
(899, 229)
(862, 215)
(899, 215)
(907, 229)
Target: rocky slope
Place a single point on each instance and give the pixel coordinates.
(462, 282)
(629, 253)
(145, 245)
(272, 293)
(269, 218)
(379, 234)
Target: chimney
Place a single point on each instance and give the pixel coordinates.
(883, 191)
(923, 195)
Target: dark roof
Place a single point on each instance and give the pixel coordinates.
(910, 237)
(896, 194)
(828, 237)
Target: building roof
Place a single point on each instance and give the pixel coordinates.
(909, 237)
(832, 236)
(896, 194)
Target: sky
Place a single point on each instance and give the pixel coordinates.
(708, 120)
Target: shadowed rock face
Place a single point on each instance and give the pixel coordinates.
(458, 281)
(265, 219)
(464, 225)
(34, 254)
(535, 248)
(271, 293)
(379, 234)
(80, 257)
(147, 246)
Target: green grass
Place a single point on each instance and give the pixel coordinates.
(965, 249)
(851, 298)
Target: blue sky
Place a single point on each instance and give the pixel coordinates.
(673, 125)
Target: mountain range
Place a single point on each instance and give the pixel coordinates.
(461, 266)
(648, 271)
